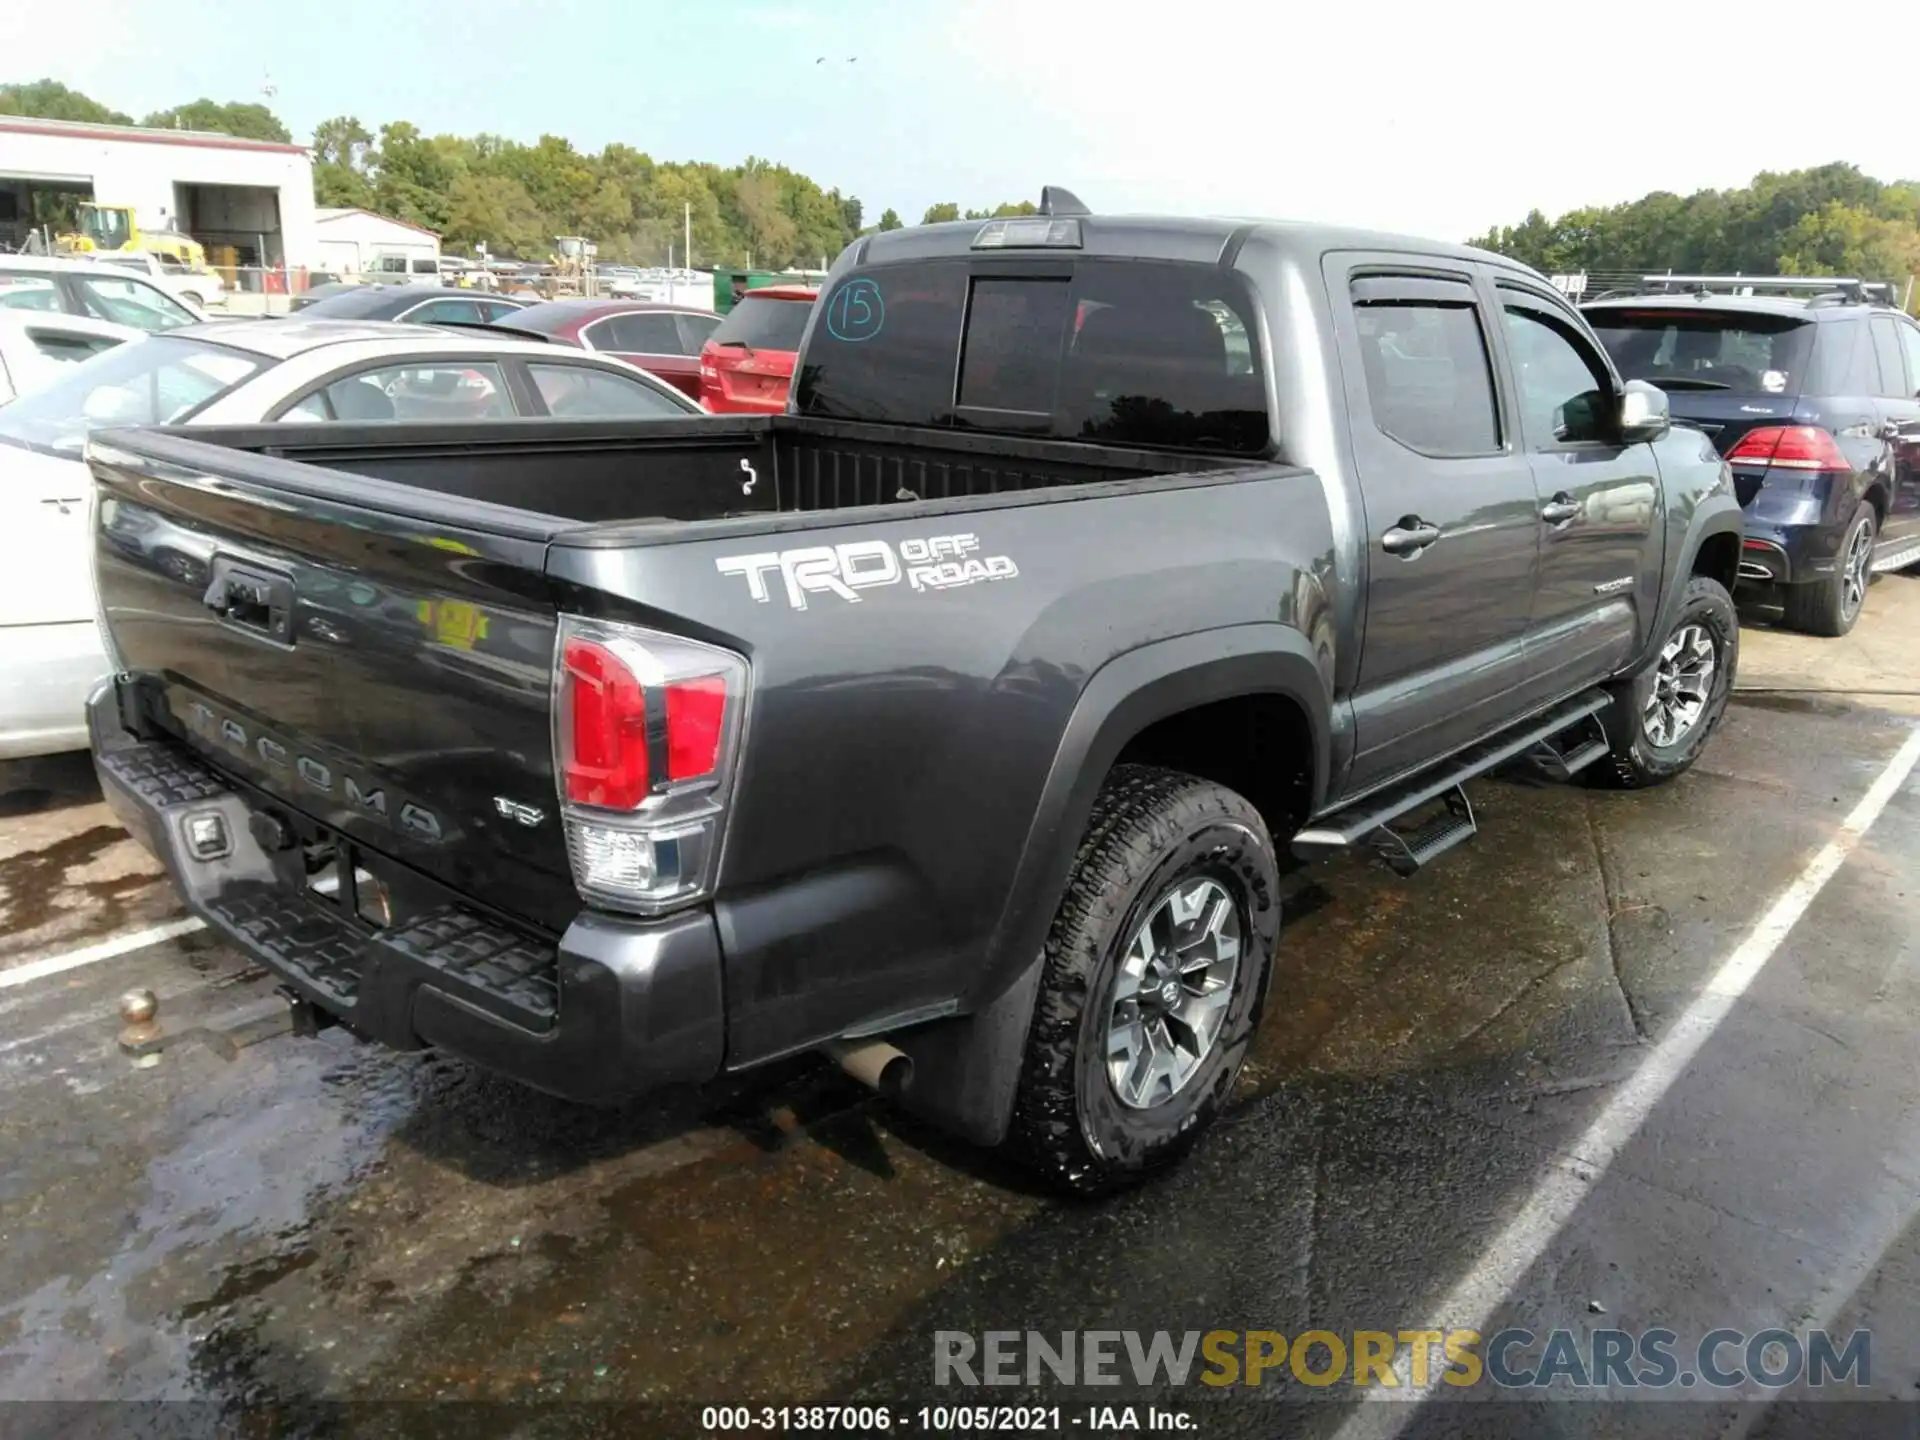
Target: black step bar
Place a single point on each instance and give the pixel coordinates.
(1341, 829)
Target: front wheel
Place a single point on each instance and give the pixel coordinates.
(1155, 973)
(1661, 719)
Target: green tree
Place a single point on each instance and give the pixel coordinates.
(495, 211)
(938, 214)
(890, 219)
(245, 121)
(50, 100)
(413, 177)
(342, 152)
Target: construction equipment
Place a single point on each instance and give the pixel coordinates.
(114, 227)
(573, 272)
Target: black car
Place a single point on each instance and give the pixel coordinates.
(416, 304)
(1813, 397)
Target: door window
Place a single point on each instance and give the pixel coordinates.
(695, 331)
(443, 390)
(1886, 349)
(447, 312)
(1910, 342)
(579, 392)
(1563, 388)
(638, 332)
(127, 301)
(1429, 380)
(28, 292)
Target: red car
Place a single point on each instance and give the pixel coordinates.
(662, 339)
(748, 362)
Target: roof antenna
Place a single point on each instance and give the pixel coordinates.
(1058, 200)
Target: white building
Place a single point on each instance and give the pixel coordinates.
(249, 202)
(377, 245)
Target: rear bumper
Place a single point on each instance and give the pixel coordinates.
(49, 669)
(616, 1007)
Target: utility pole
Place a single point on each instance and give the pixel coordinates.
(688, 220)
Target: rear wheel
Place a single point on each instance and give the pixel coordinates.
(1155, 972)
(1830, 606)
(1662, 718)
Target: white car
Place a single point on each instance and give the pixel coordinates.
(37, 346)
(235, 372)
(199, 288)
(87, 287)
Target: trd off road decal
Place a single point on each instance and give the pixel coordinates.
(938, 562)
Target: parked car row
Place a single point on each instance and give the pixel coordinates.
(1812, 395)
(231, 372)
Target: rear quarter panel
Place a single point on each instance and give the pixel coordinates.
(900, 736)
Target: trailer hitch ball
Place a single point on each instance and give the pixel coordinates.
(138, 1007)
(140, 1026)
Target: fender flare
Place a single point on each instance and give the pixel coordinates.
(1716, 514)
(966, 1070)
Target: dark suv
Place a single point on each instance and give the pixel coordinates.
(1813, 396)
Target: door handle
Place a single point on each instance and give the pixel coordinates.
(1409, 537)
(1562, 508)
(62, 502)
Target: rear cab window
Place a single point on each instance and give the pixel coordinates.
(1698, 349)
(1118, 352)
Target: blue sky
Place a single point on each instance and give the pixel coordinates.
(1434, 120)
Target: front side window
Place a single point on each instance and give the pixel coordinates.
(1563, 392)
(438, 390)
(1429, 379)
(1121, 353)
(28, 292)
(153, 381)
(127, 301)
(447, 312)
(579, 392)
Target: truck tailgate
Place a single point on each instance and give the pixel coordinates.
(377, 659)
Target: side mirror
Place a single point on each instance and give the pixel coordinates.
(1643, 413)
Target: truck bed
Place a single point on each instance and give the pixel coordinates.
(696, 469)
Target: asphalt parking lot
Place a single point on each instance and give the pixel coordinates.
(1628, 1060)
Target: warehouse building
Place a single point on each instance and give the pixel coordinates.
(361, 242)
(249, 202)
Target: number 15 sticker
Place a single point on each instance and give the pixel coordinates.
(856, 312)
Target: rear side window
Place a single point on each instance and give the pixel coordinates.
(761, 323)
(638, 332)
(1708, 350)
(1886, 347)
(1429, 381)
(1910, 342)
(1117, 352)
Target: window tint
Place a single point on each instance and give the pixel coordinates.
(446, 391)
(447, 312)
(131, 302)
(1886, 348)
(639, 332)
(1428, 377)
(1708, 350)
(764, 324)
(1125, 353)
(1563, 395)
(1015, 332)
(695, 331)
(494, 310)
(1846, 359)
(1910, 342)
(579, 392)
(150, 381)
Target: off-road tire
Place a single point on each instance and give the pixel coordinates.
(1819, 607)
(1149, 828)
(1636, 762)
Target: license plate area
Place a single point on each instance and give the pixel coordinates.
(358, 886)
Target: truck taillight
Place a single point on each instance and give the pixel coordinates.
(1789, 447)
(646, 734)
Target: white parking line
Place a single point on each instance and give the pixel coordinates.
(101, 950)
(1505, 1262)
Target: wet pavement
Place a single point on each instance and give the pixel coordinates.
(320, 1219)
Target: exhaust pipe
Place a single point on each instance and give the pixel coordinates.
(873, 1063)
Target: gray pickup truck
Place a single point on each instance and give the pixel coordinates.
(953, 722)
